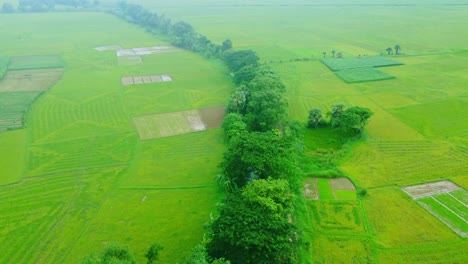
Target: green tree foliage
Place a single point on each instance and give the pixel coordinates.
(258, 155)
(362, 113)
(113, 254)
(226, 45)
(238, 101)
(315, 118)
(265, 110)
(236, 60)
(336, 111)
(8, 8)
(152, 255)
(253, 225)
(397, 49)
(389, 50)
(234, 125)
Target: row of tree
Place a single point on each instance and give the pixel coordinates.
(46, 5)
(181, 34)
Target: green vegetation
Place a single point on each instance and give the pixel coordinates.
(356, 63)
(325, 190)
(14, 105)
(442, 211)
(35, 62)
(363, 75)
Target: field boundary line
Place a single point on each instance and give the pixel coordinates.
(435, 199)
(449, 193)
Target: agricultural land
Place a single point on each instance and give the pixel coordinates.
(110, 134)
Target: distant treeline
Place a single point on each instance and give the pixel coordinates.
(49, 5)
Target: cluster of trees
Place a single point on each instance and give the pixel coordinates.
(351, 120)
(338, 54)
(397, 49)
(45, 5)
(181, 34)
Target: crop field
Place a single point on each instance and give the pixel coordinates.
(329, 189)
(78, 172)
(78, 177)
(129, 80)
(3, 66)
(336, 64)
(364, 74)
(35, 62)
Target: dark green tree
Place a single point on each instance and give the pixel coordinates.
(152, 255)
(336, 111)
(113, 254)
(397, 49)
(234, 125)
(238, 101)
(236, 60)
(315, 118)
(254, 227)
(265, 110)
(227, 45)
(389, 50)
(333, 53)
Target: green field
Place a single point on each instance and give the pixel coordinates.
(35, 62)
(336, 64)
(80, 177)
(3, 66)
(364, 74)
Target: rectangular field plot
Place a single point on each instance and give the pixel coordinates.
(177, 123)
(35, 62)
(106, 48)
(329, 189)
(13, 107)
(145, 51)
(336, 64)
(129, 60)
(363, 75)
(30, 80)
(446, 201)
(130, 80)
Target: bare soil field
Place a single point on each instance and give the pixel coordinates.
(129, 60)
(212, 117)
(342, 184)
(428, 189)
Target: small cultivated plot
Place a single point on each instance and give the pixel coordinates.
(30, 80)
(36, 62)
(331, 249)
(337, 64)
(13, 107)
(336, 216)
(109, 47)
(329, 189)
(130, 80)
(177, 123)
(437, 198)
(363, 75)
(145, 51)
(129, 60)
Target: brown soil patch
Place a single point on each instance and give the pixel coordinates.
(428, 189)
(310, 189)
(342, 184)
(212, 117)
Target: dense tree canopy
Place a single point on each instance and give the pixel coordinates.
(254, 227)
(236, 60)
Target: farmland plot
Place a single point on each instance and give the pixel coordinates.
(329, 189)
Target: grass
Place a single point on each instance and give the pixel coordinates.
(336, 217)
(364, 74)
(434, 206)
(35, 62)
(354, 63)
(461, 195)
(325, 190)
(345, 195)
(353, 250)
(451, 202)
(14, 106)
(79, 173)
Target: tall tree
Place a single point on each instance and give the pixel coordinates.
(235, 60)
(265, 110)
(227, 44)
(389, 50)
(315, 117)
(333, 53)
(152, 255)
(397, 49)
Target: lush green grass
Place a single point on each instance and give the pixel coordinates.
(345, 195)
(325, 190)
(455, 205)
(341, 250)
(85, 179)
(336, 64)
(14, 105)
(363, 75)
(35, 62)
(336, 217)
(461, 195)
(443, 213)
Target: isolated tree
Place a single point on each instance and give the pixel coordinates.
(315, 117)
(389, 50)
(336, 111)
(363, 113)
(324, 54)
(227, 44)
(333, 53)
(339, 55)
(397, 49)
(152, 255)
(353, 119)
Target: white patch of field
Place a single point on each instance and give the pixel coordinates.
(130, 80)
(110, 47)
(129, 60)
(342, 184)
(429, 189)
(168, 124)
(145, 51)
(310, 189)
(125, 52)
